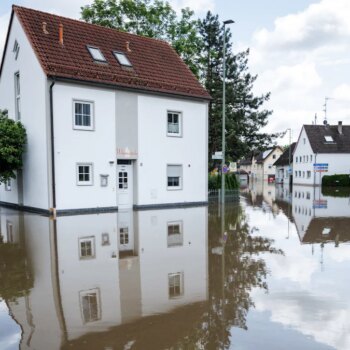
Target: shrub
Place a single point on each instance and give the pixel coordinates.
(338, 180)
(231, 182)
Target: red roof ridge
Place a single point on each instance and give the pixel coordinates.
(16, 7)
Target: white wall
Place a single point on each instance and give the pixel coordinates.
(156, 150)
(78, 275)
(33, 116)
(157, 260)
(80, 146)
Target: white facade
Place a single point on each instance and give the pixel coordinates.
(304, 159)
(127, 127)
(266, 169)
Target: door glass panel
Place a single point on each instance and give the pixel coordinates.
(123, 180)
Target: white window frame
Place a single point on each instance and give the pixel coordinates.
(85, 183)
(93, 248)
(180, 234)
(173, 134)
(181, 292)
(91, 127)
(17, 81)
(174, 188)
(85, 293)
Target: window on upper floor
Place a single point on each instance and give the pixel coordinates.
(274, 156)
(311, 158)
(174, 124)
(8, 185)
(83, 118)
(16, 49)
(17, 96)
(84, 174)
(96, 54)
(174, 177)
(122, 59)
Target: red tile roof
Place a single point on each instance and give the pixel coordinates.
(156, 66)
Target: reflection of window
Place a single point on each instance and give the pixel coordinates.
(124, 235)
(105, 239)
(175, 236)
(174, 124)
(308, 174)
(9, 232)
(87, 247)
(90, 305)
(175, 284)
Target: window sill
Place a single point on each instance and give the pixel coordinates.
(82, 128)
(84, 184)
(174, 188)
(173, 135)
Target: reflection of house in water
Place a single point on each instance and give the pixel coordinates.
(320, 218)
(94, 272)
(261, 194)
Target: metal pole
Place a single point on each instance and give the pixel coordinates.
(224, 113)
(223, 119)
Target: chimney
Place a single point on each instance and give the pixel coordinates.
(128, 46)
(340, 127)
(60, 33)
(45, 31)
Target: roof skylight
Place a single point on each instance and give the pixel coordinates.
(329, 139)
(122, 59)
(96, 54)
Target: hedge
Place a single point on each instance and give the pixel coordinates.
(231, 182)
(341, 180)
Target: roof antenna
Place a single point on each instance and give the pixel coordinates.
(315, 119)
(326, 99)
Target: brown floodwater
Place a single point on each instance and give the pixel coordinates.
(270, 271)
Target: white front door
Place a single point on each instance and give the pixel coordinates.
(125, 185)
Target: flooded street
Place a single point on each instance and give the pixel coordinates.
(272, 273)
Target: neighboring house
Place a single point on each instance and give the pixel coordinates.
(263, 165)
(321, 144)
(113, 119)
(283, 163)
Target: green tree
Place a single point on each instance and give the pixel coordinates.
(12, 145)
(245, 115)
(155, 19)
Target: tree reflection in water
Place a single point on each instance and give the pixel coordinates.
(235, 268)
(15, 277)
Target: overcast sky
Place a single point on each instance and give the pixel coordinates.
(300, 49)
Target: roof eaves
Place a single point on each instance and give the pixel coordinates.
(6, 41)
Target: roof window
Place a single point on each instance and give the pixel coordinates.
(122, 59)
(96, 54)
(329, 139)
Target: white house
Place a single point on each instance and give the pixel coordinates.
(261, 165)
(321, 144)
(284, 166)
(113, 119)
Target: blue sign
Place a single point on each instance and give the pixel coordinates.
(320, 167)
(225, 169)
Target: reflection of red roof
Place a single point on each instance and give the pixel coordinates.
(156, 66)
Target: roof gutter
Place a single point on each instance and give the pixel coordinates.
(52, 131)
(124, 88)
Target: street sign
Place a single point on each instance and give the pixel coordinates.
(320, 167)
(225, 169)
(233, 167)
(217, 155)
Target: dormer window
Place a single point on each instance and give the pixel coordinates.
(122, 59)
(15, 49)
(329, 139)
(96, 54)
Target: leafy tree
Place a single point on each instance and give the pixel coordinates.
(245, 115)
(154, 19)
(12, 144)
